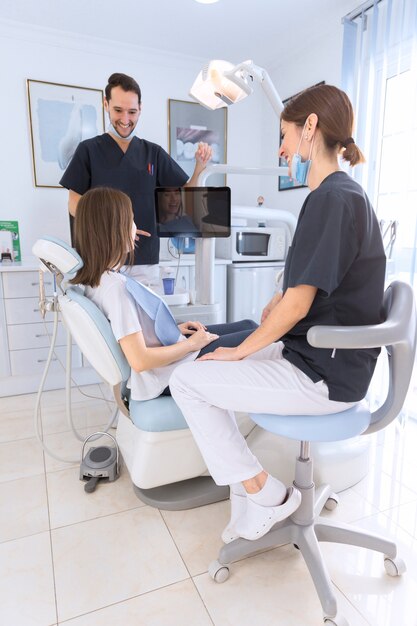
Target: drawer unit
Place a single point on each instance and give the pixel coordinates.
(25, 284)
(25, 336)
(22, 310)
(25, 362)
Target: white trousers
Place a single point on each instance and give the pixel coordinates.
(208, 393)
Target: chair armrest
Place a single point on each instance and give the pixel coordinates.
(353, 337)
(399, 326)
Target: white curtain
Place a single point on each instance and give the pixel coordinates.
(379, 73)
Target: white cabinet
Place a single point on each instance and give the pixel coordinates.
(25, 337)
(250, 288)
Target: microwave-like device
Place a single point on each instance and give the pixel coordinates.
(253, 243)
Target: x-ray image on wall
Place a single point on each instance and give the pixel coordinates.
(189, 124)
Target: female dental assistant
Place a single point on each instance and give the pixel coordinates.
(334, 274)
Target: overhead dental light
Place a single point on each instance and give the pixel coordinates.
(221, 83)
(216, 86)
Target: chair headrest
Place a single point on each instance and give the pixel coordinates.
(58, 253)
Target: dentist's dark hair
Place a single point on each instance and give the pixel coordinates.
(335, 118)
(127, 83)
(102, 233)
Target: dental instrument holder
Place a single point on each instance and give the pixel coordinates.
(205, 248)
(99, 462)
(44, 303)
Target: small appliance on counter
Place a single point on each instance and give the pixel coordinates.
(252, 243)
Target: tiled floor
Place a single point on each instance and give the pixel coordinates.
(107, 559)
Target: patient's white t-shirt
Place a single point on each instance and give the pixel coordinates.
(126, 317)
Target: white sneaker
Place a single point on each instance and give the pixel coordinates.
(258, 520)
(237, 509)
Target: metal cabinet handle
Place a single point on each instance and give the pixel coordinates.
(41, 335)
(46, 282)
(44, 360)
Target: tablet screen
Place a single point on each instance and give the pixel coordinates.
(193, 211)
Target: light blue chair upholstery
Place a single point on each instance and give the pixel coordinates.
(306, 528)
(157, 415)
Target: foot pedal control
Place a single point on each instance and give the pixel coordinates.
(99, 462)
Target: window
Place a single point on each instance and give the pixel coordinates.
(396, 189)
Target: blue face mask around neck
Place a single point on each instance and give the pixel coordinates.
(301, 169)
(111, 129)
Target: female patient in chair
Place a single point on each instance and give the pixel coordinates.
(149, 337)
(334, 275)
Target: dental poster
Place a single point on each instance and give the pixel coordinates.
(9, 241)
(60, 117)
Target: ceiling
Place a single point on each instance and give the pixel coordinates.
(236, 30)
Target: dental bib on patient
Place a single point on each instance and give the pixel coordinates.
(166, 327)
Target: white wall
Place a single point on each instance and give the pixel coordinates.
(54, 56)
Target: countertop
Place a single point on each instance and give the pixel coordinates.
(31, 264)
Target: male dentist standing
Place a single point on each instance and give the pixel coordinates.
(121, 160)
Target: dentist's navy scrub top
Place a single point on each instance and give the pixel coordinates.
(100, 162)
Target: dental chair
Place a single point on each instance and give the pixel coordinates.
(305, 528)
(164, 463)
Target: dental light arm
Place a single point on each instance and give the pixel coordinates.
(247, 69)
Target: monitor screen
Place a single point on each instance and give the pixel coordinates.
(193, 211)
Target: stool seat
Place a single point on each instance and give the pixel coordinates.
(333, 427)
(157, 415)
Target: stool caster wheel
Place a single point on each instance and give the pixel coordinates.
(218, 572)
(331, 502)
(338, 620)
(394, 567)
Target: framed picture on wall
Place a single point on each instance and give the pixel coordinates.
(188, 124)
(285, 182)
(60, 117)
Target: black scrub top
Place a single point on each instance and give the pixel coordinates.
(337, 247)
(100, 162)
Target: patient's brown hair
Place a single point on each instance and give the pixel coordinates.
(102, 233)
